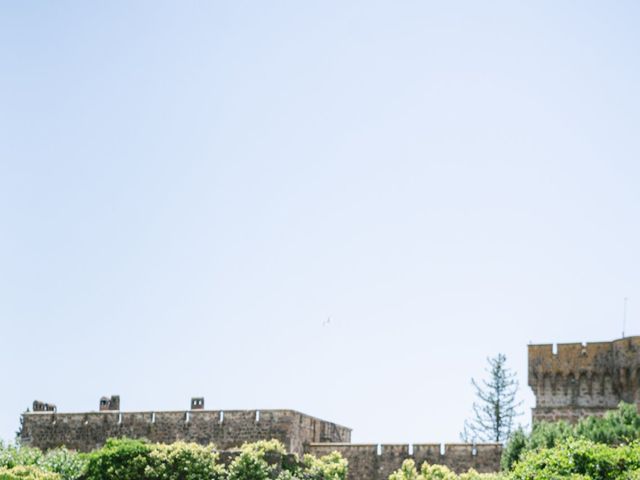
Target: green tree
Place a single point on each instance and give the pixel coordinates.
(580, 459)
(409, 471)
(496, 408)
(617, 427)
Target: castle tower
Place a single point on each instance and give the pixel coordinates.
(578, 380)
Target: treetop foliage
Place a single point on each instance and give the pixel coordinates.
(409, 471)
(580, 459)
(496, 408)
(621, 426)
(26, 472)
(127, 459)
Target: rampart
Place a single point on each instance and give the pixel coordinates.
(575, 380)
(226, 429)
(377, 462)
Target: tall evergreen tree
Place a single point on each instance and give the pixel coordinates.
(496, 408)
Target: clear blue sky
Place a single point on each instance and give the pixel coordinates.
(188, 190)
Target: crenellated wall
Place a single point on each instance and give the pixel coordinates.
(578, 380)
(377, 462)
(225, 429)
(228, 429)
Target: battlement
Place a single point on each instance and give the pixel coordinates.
(378, 461)
(228, 429)
(224, 428)
(572, 380)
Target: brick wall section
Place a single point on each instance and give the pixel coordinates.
(87, 431)
(583, 379)
(373, 462)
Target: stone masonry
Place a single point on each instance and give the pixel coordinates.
(228, 429)
(576, 380)
(377, 462)
(570, 381)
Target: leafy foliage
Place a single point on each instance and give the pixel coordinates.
(495, 409)
(268, 460)
(513, 449)
(26, 472)
(68, 465)
(126, 459)
(14, 455)
(253, 462)
(121, 459)
(621, 426)
(408, 471)
(570, 459)
(328, 467)
(580, 459)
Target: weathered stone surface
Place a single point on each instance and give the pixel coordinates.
(228, 429)
(579, 380)
(377, 462)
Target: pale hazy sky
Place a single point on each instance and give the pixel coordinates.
(188, 190)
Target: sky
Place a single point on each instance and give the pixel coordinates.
(341, 208)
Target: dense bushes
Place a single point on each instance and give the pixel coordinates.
(26, 472)
(259, 461)
(66, 464)
(265, 460)
(580, 459)
(571, 460)
(598, 448)
(606, 448)
(329, 467)
(126, 459)
(620, 426)
(408, 471)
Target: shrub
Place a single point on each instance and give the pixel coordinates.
(121, 459)
(408, 471)
(620, 426)
(328, 467)
(513, 449)
(26, 472)
(183, 461)
(579, 459)
(14, 455)
(260, 461)
(126, 459)
(69, 465)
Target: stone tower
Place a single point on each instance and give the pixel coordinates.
(576, 380)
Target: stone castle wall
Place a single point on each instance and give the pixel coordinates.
(300, 433)
(377, 462)
(579, 380)
(571, 381)
(225, 429)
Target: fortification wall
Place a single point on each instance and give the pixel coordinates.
(225, 429)
(377, 462)
(579, 379)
